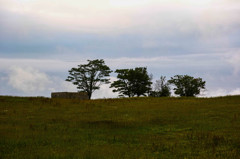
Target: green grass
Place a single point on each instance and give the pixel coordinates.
(187, 128)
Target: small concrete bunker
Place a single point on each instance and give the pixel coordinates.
(70, 95)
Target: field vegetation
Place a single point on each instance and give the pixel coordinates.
(131, 128)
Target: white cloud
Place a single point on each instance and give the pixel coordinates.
(159, 24)
(41, 77)
(66, 87)
(220, 92)
(28, 79)
(234, 60)
(60, 85)
(235, 92)
(31, 81)
(208, 16)
(105, 91)
(215, 93)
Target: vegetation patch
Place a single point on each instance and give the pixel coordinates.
(120, 128)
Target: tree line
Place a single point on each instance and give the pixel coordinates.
(132, 82)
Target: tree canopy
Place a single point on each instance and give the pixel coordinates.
(132, 82)
(89, 77)
(161, 88)
(186, 85)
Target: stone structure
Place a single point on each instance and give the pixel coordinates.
(70, 95)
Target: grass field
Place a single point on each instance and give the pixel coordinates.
(137, 128)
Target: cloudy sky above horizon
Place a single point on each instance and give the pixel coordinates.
(41, 40)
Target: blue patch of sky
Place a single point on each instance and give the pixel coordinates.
(44, 44)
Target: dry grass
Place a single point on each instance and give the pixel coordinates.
(120, 128)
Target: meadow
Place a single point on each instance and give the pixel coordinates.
(130, 128)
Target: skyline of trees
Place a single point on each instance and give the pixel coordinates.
(132, 82)
(89, 77)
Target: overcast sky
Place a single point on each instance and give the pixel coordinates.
(40, 40)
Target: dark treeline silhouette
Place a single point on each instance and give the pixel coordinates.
(89, 77)
(132, 82)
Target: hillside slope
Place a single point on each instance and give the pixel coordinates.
(120, 128)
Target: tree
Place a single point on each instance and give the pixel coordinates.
(132, 82)
(123, 84)
(89, 77)
(186, 85)
(161, 88)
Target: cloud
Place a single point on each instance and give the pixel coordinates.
(175, 63)
(118, 16)
(214, 93)
(43, 76)
(188, 61)
(28, 79)
(234, 60)
(105, 91)
(220, 92)
(235, 92)
(40, 64)
(168, 36)
(117, 28)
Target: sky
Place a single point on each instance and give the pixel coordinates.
(40, 40)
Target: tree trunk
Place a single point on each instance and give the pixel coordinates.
(89, 95)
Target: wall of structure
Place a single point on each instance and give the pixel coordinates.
(70, 95)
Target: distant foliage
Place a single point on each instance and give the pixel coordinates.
(161, 88)
(186, 85)
(89, 77)
(132, 82)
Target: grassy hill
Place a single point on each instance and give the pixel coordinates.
(120, 128)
